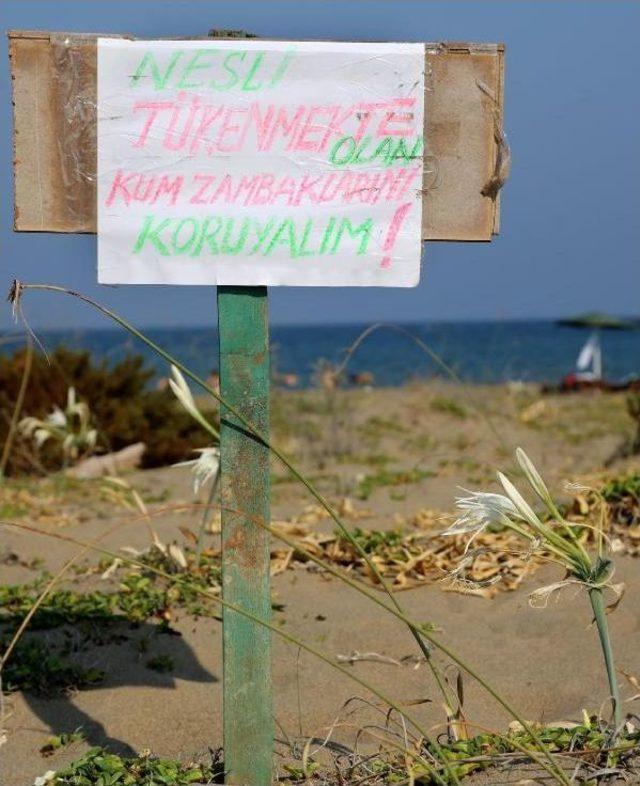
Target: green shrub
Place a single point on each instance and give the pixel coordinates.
(618, 489)
(124, 407)
(99, 766)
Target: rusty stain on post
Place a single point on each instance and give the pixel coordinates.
(244, 381)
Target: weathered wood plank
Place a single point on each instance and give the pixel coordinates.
(244, 379)
(54, 109)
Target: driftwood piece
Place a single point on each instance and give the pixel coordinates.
(111, 464)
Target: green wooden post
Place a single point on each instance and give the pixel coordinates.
(244, 381)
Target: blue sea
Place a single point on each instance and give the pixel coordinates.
(477, 352)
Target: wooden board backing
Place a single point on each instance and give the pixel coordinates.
(54, 96)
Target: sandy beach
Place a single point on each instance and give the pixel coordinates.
(389, 459)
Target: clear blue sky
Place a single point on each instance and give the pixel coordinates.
(571, 211)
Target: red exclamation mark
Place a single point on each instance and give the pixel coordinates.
(392, 233)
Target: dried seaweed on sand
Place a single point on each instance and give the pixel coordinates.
(412, 558)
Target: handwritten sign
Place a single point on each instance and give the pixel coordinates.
(257, 162)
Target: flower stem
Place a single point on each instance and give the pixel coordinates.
(205, 516)
(597, 604)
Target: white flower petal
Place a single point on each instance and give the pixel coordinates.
(464, 525)
(205, 467)
(57, 418)
(181, 388)
(481, 509)
(492, 505)
(40, 436)
(28, 424)
(524, 509)
(177, 555)
(183, 398)
(534, 477)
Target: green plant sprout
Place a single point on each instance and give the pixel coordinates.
(99, 766)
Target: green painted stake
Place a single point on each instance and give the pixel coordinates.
(243, 329)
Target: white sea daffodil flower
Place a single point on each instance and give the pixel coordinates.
(69, 427)
(590, 572)
(205, 467)
(480, 510)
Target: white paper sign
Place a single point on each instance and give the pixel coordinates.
(258, 162)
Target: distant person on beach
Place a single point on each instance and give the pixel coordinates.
(363, 379)
(287, 380)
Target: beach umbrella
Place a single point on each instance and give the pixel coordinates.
(596, 320)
